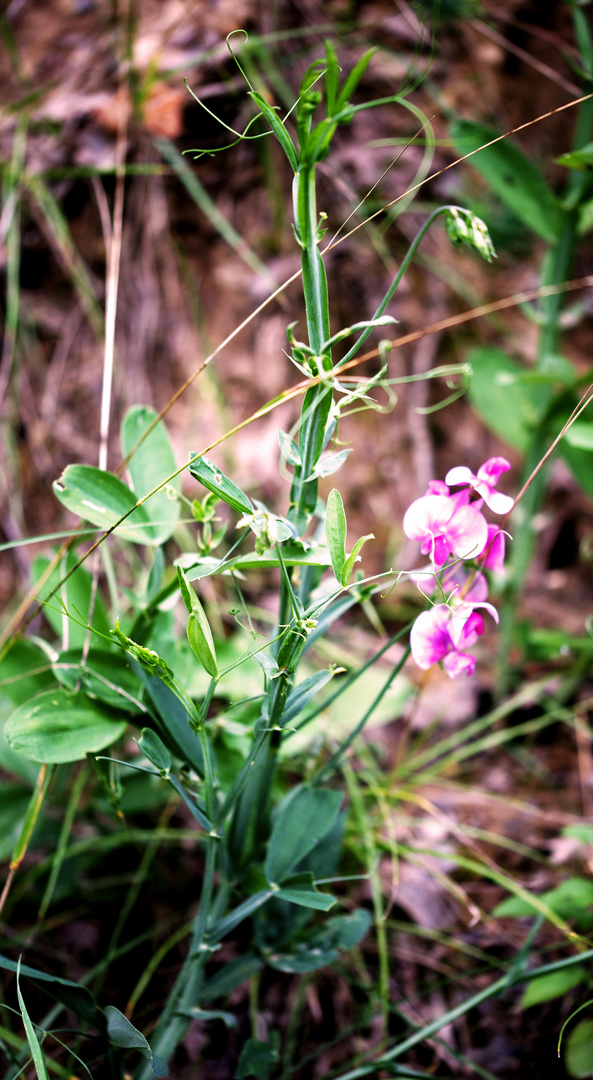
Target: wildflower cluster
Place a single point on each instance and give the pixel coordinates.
(461, 544)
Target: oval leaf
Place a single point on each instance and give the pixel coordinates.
(149, 465)
(579, 1050)
(102, 498)
(57, 727)
(154, 749)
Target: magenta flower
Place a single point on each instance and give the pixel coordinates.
(484, 483)
(444, 528)
(441, 634)
(492, 557)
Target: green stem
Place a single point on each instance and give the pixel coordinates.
(495, 990)
(172, 1025)
(317, 401)
(413, 248)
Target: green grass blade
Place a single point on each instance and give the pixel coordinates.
(35, 1048)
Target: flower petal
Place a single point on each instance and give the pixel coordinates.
(427, 516)
(458, 663)
(460, 474)
(492, 556)
(429, 638)
(492, 470)
(467, 533)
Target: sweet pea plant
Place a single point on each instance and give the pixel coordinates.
(268, 853)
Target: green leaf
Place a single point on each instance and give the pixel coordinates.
(300, 889)
(14, 802)
(212, 478)
(321, 946)
(289, 448)
(102, 498)
(196, 1013)
(278, 128)
(303, 817)
(258, 1058)
(294, 553)
(506, 404)
(300, 696)
(106, 676)
(579, 1050)
(191, 804)
(149, 465)
(551, 986)
(577, 456)
(238, 914)
(353, 79)
(353, 556)
(513, 177)
(24, 671)
(335, 532)
(75, 997)
(171, 719)
(122, 1033)
(580, 435)
(330, 462)
(188, 594)
(582, 831)
(154, 749)
(200, 638)
(578, 159)
(231, 975)
(58, 726)
(348, 930)
(571, 899)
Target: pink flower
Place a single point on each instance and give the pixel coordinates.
(492, 557)
(444, 528)
(484, 483)
(441, 633)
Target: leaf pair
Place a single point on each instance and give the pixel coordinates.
(199, 633)
(335, 531)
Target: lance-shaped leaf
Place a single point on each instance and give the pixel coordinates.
(335, 531)
(329, 462)
(212, 478)
(349, 564)
(301, 695)
(289, 448)
(71, 994)
(199, 633)
(300, 889)
(301, 820)
(200, 638)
